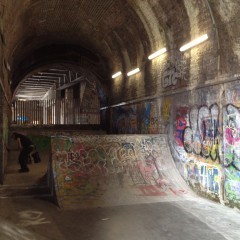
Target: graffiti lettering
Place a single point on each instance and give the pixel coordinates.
(175, 72)
(111, 161)
(202, 136)
(169, 77)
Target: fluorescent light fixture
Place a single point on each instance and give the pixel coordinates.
(157, 53)
(134, 71)
(194, 43)
(103, 108)
(116, 74)
(119, 104)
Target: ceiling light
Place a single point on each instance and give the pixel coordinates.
(103, 108)
(157, 53)
(116, 74)
(134, 71)
(194, 42)
(119, 104)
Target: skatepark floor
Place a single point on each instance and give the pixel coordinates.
(28, 219)
(38, 218)
(37, 170)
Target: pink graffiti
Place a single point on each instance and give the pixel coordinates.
(148, 171)
(177, 192)
(231, 135)
(151, 190)
(80, 148)
(181, 124)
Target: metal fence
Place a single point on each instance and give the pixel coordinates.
(52, 112)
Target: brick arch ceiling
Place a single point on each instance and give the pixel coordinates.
(114, 34)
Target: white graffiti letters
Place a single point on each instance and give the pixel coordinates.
(29, 218)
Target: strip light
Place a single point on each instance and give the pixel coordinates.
(157, 53)
(134, 71)
(103, 108)
(194, 43)
(115, 75)
(119, 104)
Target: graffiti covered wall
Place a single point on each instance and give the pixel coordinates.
(110, 170)
(205, 142)
(141, 118)
(204, 132)
(231, 142)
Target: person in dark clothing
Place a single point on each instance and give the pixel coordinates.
(25, 146)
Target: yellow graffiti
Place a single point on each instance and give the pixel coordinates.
(153, 126)
(166, 107)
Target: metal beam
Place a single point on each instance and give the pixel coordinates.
(74, 82)
(40, 77)
(49, 73)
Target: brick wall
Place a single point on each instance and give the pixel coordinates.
(1, 136)
(4, 130)
(213, 61)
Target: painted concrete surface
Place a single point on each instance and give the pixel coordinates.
(203, 126)
(143, 221)
(218, 217)
(176, 220)
(206, 152)
(149, 201)
(98, 171)
(10, 231)
(123, 211)
(33, 177)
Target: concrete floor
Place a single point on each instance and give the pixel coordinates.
(37, 171)
(180, 220)
(29, 218)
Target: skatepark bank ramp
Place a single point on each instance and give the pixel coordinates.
(111, 170)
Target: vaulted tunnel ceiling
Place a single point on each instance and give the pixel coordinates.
(102, 36)
(81, 32)
(58, 76)
(72, 59)
(113, 33)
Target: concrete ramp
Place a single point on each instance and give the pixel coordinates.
(111, 170)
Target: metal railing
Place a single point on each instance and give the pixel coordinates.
(52, 112)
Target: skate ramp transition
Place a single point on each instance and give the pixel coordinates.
(111, 170)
